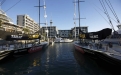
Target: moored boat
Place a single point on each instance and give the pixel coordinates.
(25, 48)
(61, 40)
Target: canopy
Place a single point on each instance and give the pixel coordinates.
(102, 34)
(22, 37)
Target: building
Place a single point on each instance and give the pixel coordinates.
(52, 31)
(7, 27)
(4, 17)
(7, 23)
(65, 33)
(27, 22)
(83, 29)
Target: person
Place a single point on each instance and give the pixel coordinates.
(107, 47)
(110, 45)
(7, 46)
(100, 45)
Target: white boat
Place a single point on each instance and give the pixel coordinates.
(61, 40)
(68, 40)
(51, 42)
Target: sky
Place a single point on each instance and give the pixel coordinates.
(62, 13)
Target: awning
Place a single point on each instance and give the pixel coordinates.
(102, 34)
(22, 37)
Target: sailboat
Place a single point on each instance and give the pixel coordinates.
(111, 53)
(108, 47)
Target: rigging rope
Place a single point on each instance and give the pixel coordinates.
(113, 11)
(13, 5)
(106, 12)
(2, 2)
(100, 13)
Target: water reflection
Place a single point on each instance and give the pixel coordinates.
(59, 59)
(22, 65)
(88, 65)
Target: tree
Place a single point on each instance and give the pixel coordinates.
(70, 35)
(26, 30)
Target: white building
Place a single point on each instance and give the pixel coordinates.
(4, 17)
(7, 26)
(27, 22)
(65, 33)
(52, 31)
(7, 23)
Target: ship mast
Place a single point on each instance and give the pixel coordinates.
(39, 19)
(78, 12)
(75, 17)
(50, 26)
(45, 16)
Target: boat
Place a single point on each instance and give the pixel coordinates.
(25, 48)
(87, 43)
(111, 52)
(61, 40)
(107, 48)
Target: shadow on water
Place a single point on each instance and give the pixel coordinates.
(114, 70)
(22, 65)
(89, 66)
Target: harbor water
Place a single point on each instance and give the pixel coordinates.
(57, 59)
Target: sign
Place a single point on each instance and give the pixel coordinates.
(16, 36)
(34, 36)
(82, 35)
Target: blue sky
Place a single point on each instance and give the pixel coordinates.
(62, 12)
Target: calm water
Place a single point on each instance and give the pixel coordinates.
(59, 59)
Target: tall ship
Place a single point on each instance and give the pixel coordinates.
(104, 45)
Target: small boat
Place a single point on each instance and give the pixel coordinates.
(61, 40)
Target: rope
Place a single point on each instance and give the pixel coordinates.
(106, 12)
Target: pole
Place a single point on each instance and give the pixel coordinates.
(39, 21)
(79, 13)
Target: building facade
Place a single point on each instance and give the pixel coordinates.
(75, 30)
(27, 22)
(7, 23)
(52, 31)
(65, 33)
(4, 17)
